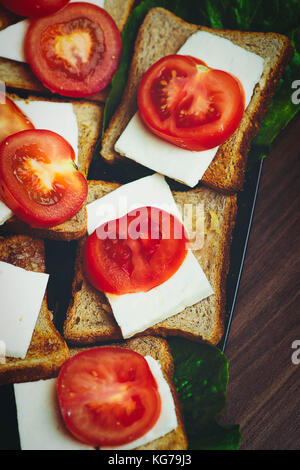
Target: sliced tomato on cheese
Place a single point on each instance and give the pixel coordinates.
(187, 103)
(76, 51)
(12, 119)
(39, 180)
(108, 396)
(32, 8)
(136, 252)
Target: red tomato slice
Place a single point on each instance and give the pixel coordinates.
(12, 119)
(189, 104)
(39, 180)
(76, 51)
(108, 396)
(33, 8)
(135, 253)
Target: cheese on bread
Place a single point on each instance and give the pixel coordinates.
(41, 426)
(138, 143)
(136, 312)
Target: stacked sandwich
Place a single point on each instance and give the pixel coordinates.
(152, 254)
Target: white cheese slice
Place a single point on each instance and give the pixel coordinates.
(138, 143)
(138, 311)
(57, 117)
(41, 426)
(12, 41)
(141, 145)
(148, 191)
(99, 3)
(12, 38)
(21, 294)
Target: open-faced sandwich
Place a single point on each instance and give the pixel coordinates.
(194, 100)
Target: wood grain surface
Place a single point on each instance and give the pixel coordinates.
(264, 385)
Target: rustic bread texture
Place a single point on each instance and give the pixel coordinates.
(89, 317)
(89, 120)
(119, 10)
(18, 75)
(47, 350)
(160, 351)
(163, 33)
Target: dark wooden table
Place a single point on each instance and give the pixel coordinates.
(264, 386)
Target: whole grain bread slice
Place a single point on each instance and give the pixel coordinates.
(47, 350)
(89, 121)
(159, 349)
(19, 76)
(89, 317)
(161, 34)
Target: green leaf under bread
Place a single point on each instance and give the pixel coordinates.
(201, 379)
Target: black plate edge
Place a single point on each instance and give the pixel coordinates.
(246, 208)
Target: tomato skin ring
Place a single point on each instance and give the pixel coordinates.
(35, 7)
(97, 391)
(118, 262)
(188, 104)
(58, 81)
(18, 193)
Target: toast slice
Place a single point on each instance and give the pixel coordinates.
(19, 76)
(47, 350)
(159, 349)
(162, 33)
(89, 317)
(89, 121)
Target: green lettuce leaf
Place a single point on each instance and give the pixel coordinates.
(201, 379)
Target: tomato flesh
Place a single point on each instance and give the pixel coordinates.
(12, 120)
(76, 51)
(189, 104)
(108, 396)
(33, 8)
(39, 180)
(136, 252)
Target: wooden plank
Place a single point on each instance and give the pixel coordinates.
(264, 386)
